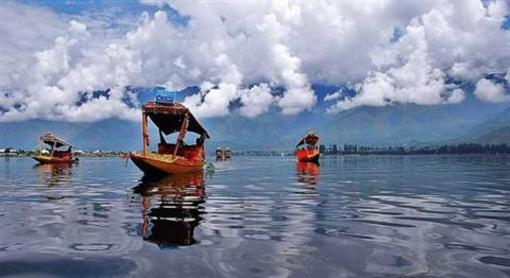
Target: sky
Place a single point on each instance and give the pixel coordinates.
(248, 57)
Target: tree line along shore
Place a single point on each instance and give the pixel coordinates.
(347, 149)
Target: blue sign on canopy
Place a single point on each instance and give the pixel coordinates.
(163, 95)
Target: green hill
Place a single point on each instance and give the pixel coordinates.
(496, 127)
(382, 126)
(495, 137)
(395, 125)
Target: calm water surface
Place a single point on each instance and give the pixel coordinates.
(259, 217)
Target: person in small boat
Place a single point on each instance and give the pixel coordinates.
(227, 153)
(189, 151)
(219, 153)
(200, 141)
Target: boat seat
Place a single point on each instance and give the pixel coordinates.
(191, 152)
(164, 148)
(62, 154)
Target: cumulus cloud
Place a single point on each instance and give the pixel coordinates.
(489, 91)
(256, 100)
(460, 40)
(261, 55)
(19, 30)
(334, 96)
(57, 77)
(406, 75)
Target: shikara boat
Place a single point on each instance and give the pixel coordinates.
(177, 158)
(220, 154)
(227, 153)
(307, 149)
(56, 153)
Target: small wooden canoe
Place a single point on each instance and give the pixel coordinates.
(307, 149)
(49, 159)
(55, 155)
(157, 164)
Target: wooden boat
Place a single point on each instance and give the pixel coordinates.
(55, 154)
(220, 154)
(307, 149)
(227, 153)
(176, 158)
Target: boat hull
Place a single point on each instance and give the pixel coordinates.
(159, 165)
(308, 155)
(52, 160)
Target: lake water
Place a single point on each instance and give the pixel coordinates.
(258, 217)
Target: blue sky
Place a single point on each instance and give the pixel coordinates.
(80, 6)
(114, 7)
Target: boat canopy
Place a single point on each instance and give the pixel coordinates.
(52, 140)
(168, 117)
(310, 139)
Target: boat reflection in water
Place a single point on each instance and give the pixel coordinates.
(53, 174)
(308, 173)
(172, 208)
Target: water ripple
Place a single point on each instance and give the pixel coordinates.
(259, 216)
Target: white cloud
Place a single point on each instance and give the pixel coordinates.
(213, 103)
(456, 96)
(52, 81)
(256, 100)
(238, 51)
(455, 36)
(334, 96)
(406, 75)
(19, 30)
(489, 91)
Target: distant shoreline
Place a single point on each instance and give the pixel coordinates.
(331, 150)
(323, 156)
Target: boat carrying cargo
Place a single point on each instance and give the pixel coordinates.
(175, 158)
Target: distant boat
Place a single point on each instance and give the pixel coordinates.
(307, 149)
(55, 154)
(227, 154)
(220, 154)
(178, 158)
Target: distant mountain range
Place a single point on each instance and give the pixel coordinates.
(497, 136)
(395, 125)
(415, 125)
(470, 121)
(112, 134)
(495, 130)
